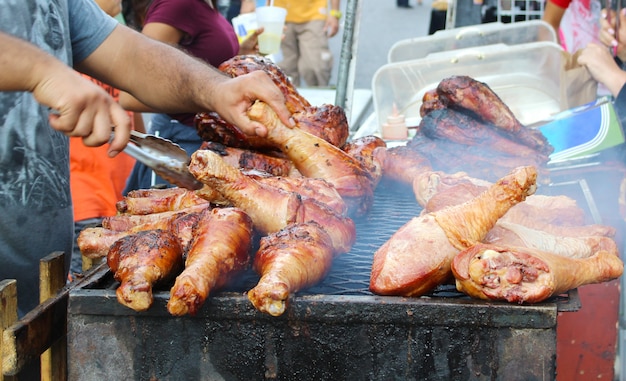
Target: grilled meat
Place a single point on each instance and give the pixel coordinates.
(524, 275)
(219, 250)
(292, 259)
(270, 208)
(141, 260)
(417, 257)
(314, 157)
(327, 121)
(463, 92)
(157, 201)
(367, 151)
(95, 242)
(272, 163)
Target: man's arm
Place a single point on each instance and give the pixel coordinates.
(168, 80)
(80, 108)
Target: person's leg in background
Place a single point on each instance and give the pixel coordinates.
(291, 53)
(403, 4)
(316, 60)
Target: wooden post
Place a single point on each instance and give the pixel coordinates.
(8, 312)
(52, 279)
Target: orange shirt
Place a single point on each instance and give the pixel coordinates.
(96, 180)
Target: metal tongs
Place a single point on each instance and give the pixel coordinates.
(166, 158)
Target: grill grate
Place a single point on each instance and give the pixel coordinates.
(394, 205)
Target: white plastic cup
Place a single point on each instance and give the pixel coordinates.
(272, 19)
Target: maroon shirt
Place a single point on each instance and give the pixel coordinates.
(208, 35)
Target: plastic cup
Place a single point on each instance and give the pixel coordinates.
(272, 19)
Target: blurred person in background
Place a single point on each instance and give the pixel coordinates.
(576, 22)
(197, 28)
(306, 54)
(97, 180)
(605, 60)
(43, 101)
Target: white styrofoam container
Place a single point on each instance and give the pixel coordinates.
(472, 36)
(527, 77)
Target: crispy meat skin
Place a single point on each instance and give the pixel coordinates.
(417, 257)
(327, 121)
(169, 201)
(141, 260)
(269, 162)
(524, 275)
(314, 157)
(402, 163)
(240, 65)
(95, 242)
(292, 259)
(451, 125)
(466, 93)
(219, 250)
(310, 187)
(270, 208)
(366, 150)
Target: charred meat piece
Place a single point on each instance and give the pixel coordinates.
(219, 250)
(140, 261)
(292, 259)
(450, 125)
(466, 93)
(523, 275)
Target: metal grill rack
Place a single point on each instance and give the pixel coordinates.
(394, 205)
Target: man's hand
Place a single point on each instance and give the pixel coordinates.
(234, 97)
(79, 107)
(82, 108)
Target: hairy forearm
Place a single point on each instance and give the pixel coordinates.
(158, 75)
(23, 65)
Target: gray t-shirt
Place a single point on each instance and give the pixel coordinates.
(35, 200)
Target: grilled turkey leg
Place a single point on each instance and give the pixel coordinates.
(289, 260)
(417, 257)
(314, 157)
(524, 275)
(270, 208)
(141, 260)
(220, 248)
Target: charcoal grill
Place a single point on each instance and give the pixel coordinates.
(336, 330)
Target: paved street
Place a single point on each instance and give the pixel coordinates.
(380, 25)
